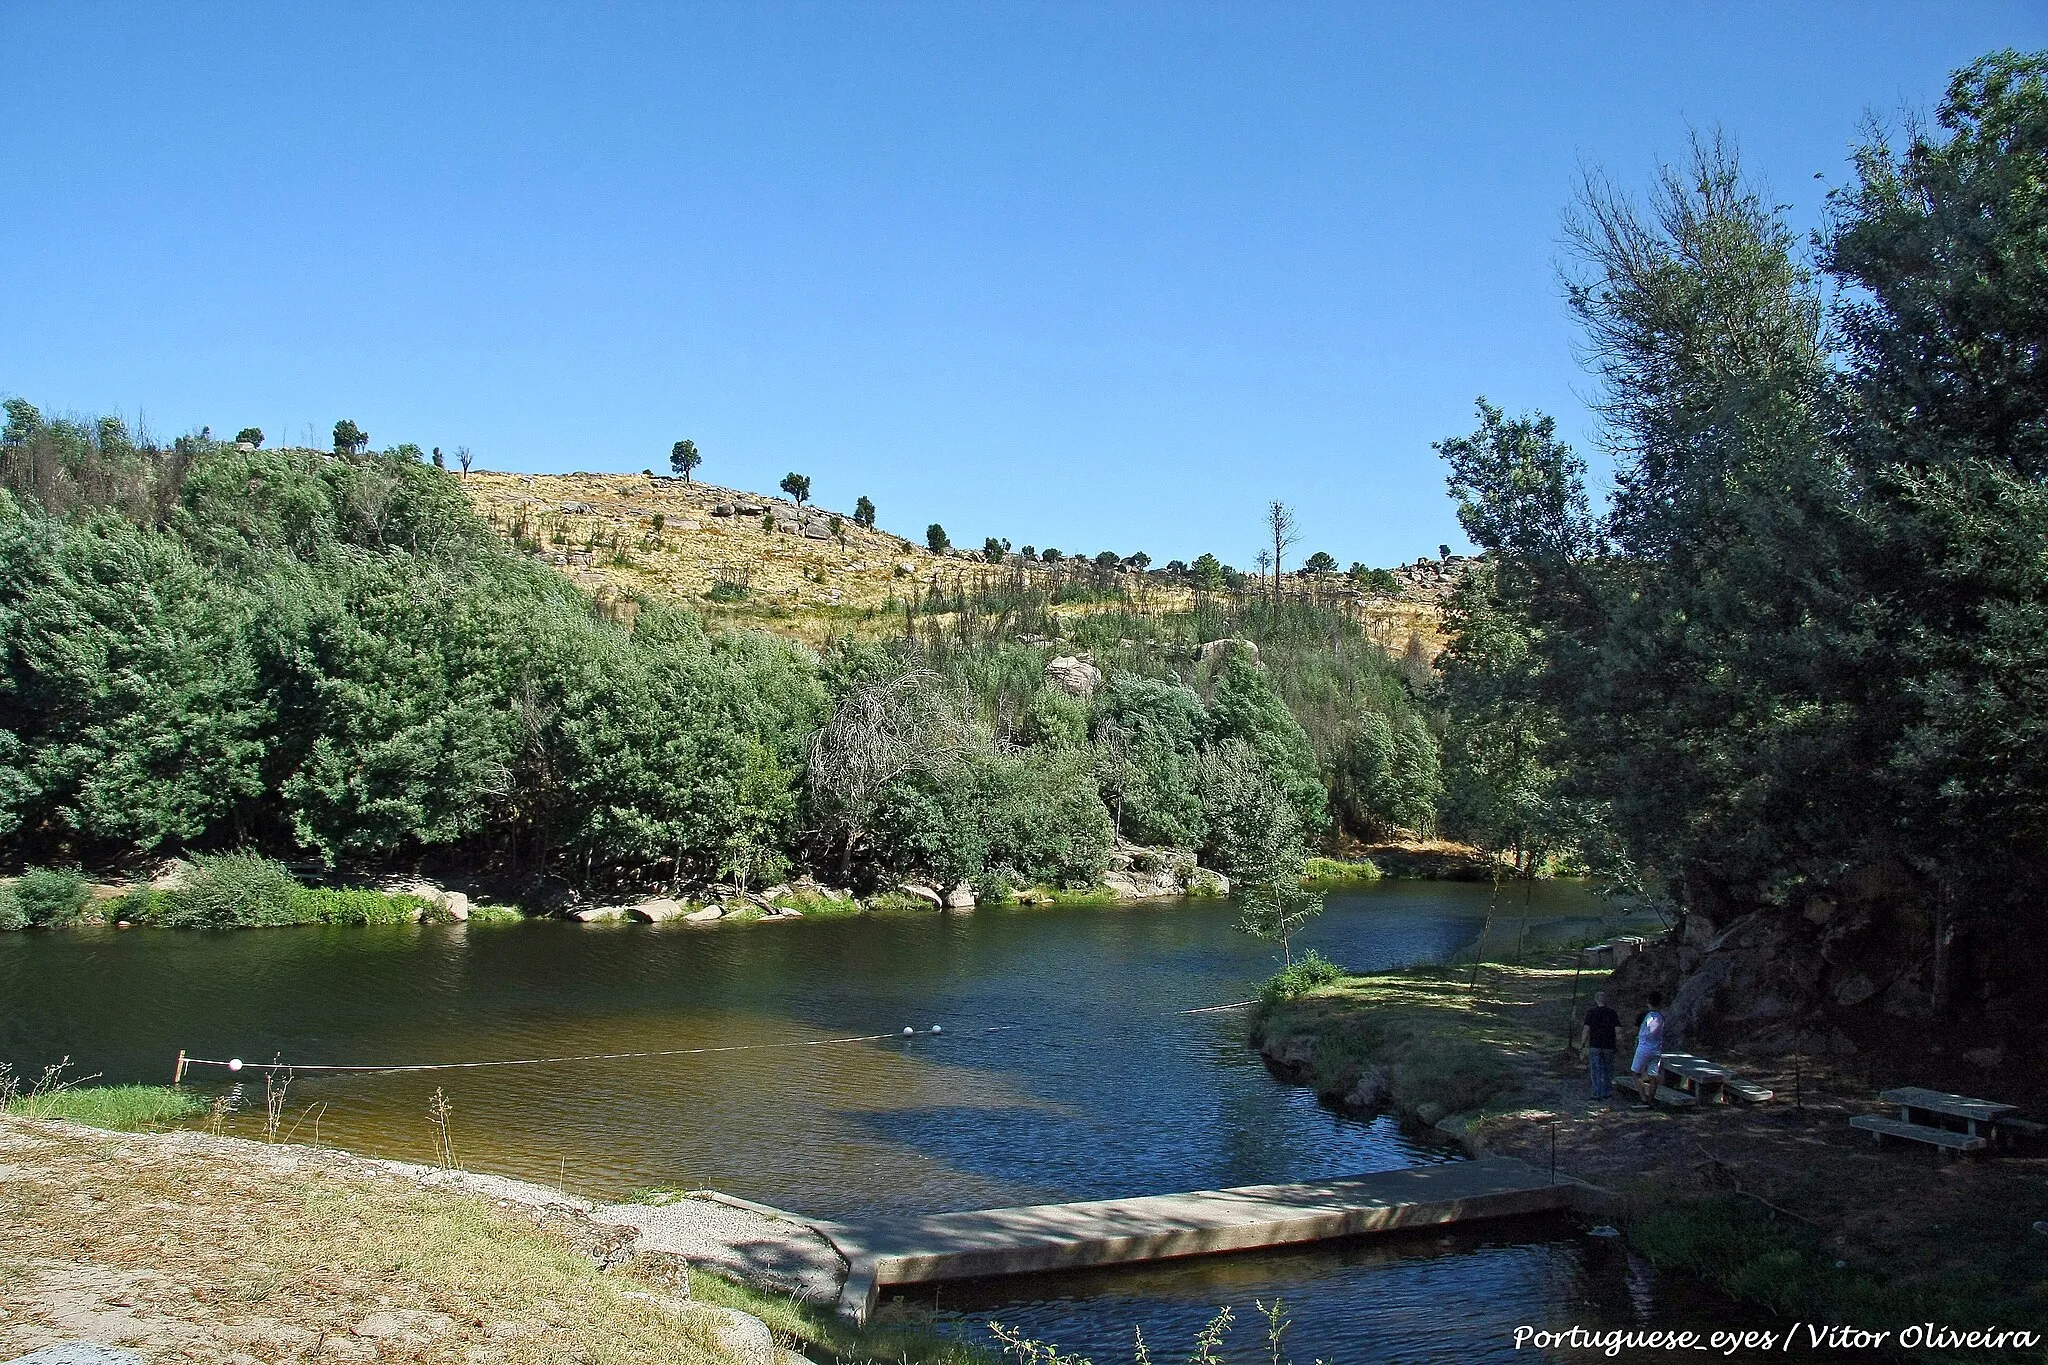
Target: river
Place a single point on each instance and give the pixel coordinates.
(1068, 1067)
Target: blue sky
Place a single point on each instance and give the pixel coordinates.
(1088, 275)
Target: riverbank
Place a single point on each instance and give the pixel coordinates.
(246, 891)
(1783, 1204)
(220, 1249)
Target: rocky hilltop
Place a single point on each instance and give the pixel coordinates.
(811, 572)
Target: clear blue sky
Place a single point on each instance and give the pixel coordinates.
(1091, 275)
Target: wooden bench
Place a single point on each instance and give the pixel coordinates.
(1879, 1127)
(1749, 1092)
(1677, 1099)
(1917, 1105)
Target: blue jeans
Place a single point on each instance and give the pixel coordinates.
(1601, 1060)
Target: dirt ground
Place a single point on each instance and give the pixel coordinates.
(202, 1250)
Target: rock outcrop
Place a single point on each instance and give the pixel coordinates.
(1216, 650)
(1075, 677)
(1137, 872)
(656, 910)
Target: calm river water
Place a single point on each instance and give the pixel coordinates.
(1067, 1069)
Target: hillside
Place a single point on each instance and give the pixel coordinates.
(811, 573)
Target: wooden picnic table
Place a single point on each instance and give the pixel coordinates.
(1913, 1099)
(1693, 1076)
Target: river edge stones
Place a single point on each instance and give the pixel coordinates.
(1135, 872)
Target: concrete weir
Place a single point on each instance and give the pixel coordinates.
(1102, 1232)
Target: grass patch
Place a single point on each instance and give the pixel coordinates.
(817, 1330)
(1440, 1041)
(495, 914)
(124, 1108)
(1308, 972)
(899, 902)
(331, 905)
(1083, 895)
(1338, 872)
(815, 906)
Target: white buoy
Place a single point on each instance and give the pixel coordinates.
(907, 1030)
(234, 1064)
(937, 1029)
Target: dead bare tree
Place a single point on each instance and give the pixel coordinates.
(1280, 522)
(880, 732)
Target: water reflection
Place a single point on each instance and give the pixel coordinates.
(1069, 1068)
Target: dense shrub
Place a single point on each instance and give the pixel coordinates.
(11, 917)
(1305, 974)
(232, 891)
(203, 647)
(247, 891)
(51, 896)
(328, 905)
(1253, 829)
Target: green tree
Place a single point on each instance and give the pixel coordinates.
(253, 435)
(1208, 573)
(1319, 563)
(993, 549)
(1150, 733)
(349, 439)
(864, 511)
(1939, 245)
(798, 486)
(131, 704)
(935, 539)
(683, 459)
(1500, 732)
(1244, 707)
(1251, 830)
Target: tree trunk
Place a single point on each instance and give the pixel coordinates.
(1942, 988)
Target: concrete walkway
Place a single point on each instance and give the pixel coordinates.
(951, 1246)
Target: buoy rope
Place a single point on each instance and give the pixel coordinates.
(186, 1062)
(237, 1064)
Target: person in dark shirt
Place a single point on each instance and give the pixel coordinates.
(1597, 1036)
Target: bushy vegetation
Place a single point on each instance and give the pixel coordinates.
(50, 896)
(1338, 872)
(1299, 977)
(1801, 646)
(319, 655)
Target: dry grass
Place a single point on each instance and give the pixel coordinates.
(198, 1250)
(807, 589)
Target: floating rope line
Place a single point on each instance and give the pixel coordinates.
(186, 1062)
(236, 1064)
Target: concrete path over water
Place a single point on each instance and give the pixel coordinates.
(951, 1246)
